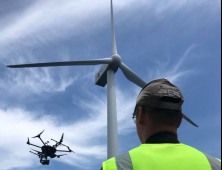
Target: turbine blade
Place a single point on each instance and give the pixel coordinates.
(114, 49)
(65, 63)
(131, 76)
(190, 121)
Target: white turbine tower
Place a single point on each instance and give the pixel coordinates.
(103, 77)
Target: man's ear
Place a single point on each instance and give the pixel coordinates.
(181, 118)
(141, 115)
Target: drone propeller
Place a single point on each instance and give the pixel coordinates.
(38, 136)
(28, 141)
(61, 140)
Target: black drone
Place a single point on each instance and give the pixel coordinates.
(48, 150)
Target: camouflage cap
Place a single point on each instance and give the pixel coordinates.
(161, 93)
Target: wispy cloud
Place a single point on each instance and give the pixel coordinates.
(174, 71)
(49, 21)
(46, 21)
(28, 81)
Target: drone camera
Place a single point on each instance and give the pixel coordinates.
(45, 162)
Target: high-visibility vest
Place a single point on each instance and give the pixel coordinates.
(163, 157)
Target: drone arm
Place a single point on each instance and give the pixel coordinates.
(61, 155)
(37, 151)
(54, 140)
(58, 156)
(42, 140)
(64, 151)
(59, 143)
(33, 145)
(34, 153)
(69, 150)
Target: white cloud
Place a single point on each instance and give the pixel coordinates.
(17, 124)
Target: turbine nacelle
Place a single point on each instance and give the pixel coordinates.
(116, 60)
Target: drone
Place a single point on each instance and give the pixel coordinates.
(47, 150)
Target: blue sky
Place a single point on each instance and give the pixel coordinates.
(178, 40)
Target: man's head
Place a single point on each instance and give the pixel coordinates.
(158, 109)
(150, 121)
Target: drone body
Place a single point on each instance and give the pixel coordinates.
(47, 150)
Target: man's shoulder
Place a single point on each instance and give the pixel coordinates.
(119, 157)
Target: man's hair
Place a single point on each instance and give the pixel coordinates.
(163, 117)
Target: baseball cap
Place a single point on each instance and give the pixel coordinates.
(161, 93)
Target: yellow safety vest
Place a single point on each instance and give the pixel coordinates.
(164, 156)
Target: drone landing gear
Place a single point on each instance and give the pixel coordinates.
(44, 162)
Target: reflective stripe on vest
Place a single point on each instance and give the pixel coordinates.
(124, 162)
(163, 156)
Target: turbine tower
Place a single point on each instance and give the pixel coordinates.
(105, 76)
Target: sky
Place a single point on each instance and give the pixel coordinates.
(177, 40)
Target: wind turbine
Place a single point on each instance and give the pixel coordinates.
(105, 76)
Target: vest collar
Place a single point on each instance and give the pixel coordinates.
(162, 137)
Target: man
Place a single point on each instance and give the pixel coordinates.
(157, 115)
